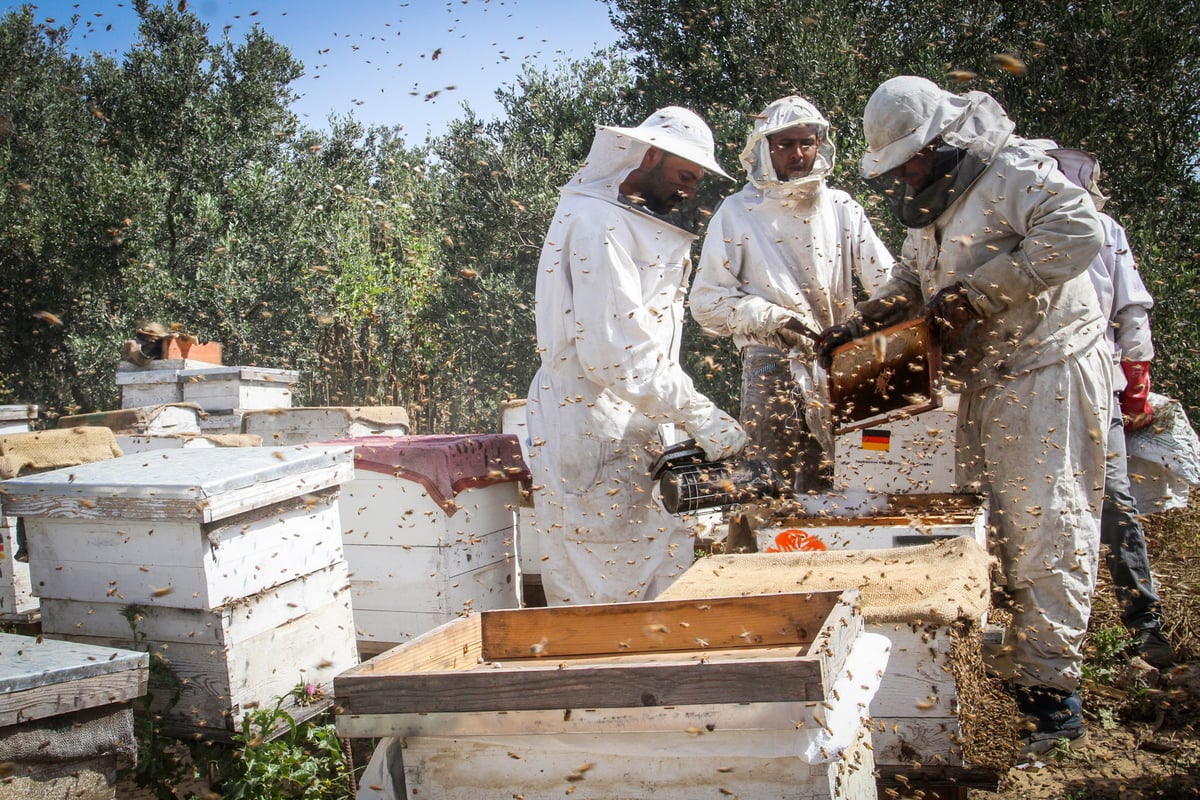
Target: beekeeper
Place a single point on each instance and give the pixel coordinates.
(779, 262)
(996, 255)
(610, 291)
(1126, 304)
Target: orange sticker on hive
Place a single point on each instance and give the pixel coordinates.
(794, 540)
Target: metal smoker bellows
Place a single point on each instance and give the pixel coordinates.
(688, 483)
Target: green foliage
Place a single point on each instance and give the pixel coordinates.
(1104, 653)
(1104, 76)
(304, 760)
(173, 183)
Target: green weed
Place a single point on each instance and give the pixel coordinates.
(304, 761)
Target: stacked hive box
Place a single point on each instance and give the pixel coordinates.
(924, 599)
(282, 426)
(65, 720)
(756, 697)
(225, 393)
(222, 393)
(155, 384)
(430, 531)
(228, 562)
(17, 419)
(167, 427)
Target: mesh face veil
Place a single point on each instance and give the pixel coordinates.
(785, 113)
(951, 172)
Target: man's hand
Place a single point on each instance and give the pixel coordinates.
(795, 334)
(1135, 397)
(717, 433)
(835, 336)
(949, 311)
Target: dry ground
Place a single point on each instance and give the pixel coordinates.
(1144, 729)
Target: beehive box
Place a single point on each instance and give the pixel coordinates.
(906, 520)
(137, 443)
(223, 389)
(911, 455)
(17, 418)
(172, 418)
(429, 529)
(529, 549)
(285, 426)
(228, 423)
(746, 697)
(65, 719)
(194, 538)
(155, 384)
(931, 602)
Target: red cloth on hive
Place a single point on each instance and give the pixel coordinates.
(444, 465)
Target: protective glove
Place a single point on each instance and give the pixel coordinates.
(717, 433)
(1135, 397)
(835, 336)
(796, 335)
(949, 311)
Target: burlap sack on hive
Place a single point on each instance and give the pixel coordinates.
(24, 453)
(937, 583)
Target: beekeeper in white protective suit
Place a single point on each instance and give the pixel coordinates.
(1126, 303)
(610, 291)
(778, 263)
(997, 252)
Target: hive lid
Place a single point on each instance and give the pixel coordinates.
(203, 484)
(284, 377)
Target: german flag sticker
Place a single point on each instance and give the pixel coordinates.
(877, 440)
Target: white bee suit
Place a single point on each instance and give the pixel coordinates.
(780, 250)
(610, 291)
(784, 249)
(1034, 367)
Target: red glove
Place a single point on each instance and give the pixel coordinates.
(1135, 397)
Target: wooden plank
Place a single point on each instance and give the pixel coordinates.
(595, 686)
(656, 626)
(662, 719)
(452, 646)
(58, 699)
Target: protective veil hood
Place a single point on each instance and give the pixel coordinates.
(1081, 169)
(617, 151)
(788, 112)
(906, 115)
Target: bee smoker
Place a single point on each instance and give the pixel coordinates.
(688, 483)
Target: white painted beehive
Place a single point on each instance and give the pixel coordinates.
(220, 390)
(17, 418)
(429, 528)
(232, 556)
(284, 426)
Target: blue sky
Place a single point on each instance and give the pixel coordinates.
(391, 63)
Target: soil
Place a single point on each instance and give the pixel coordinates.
(1142, 724)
